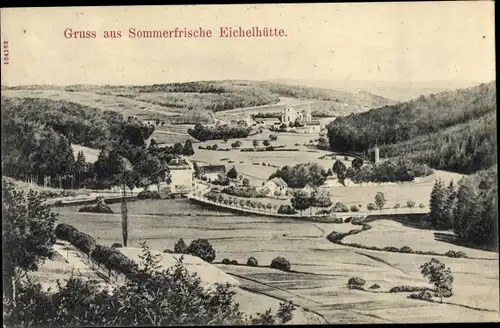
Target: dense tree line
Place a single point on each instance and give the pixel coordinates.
(220, 131)
(405, 121)
(82, 125)
(301, 175)
(470, 208)
(465, 148)
(388, 171)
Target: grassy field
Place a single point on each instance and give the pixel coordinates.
(322, 268)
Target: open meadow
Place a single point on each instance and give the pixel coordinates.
(320, 269)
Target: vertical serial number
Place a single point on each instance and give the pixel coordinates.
(5, 48)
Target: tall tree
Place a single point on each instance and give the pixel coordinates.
(301, 200)
(188, 148)
(380, 200)
(27, 234)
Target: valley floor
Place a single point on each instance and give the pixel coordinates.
(320, 269)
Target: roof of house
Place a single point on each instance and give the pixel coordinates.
(279, 182)
(270, 119)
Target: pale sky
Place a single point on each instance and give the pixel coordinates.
(374, 41)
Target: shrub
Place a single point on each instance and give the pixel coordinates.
(168, 251)
(358, 221)
(100, 207)
(201, 147)
(336, 220)
(375, 286)
(354, 208)
(233, 262)
(353, 231)
(202, 249)
(370, 207)
(148, 194)
(391, 249)
(349, 219)
(335, 236)
(117, 245)
(226, 261)
(83, 242)
(407, 288)
(406, 249)
(286, 209)
(356, 281)
(65, 231)
(346, 158)
(280, 263)
(339, 207)
(424, 295)
(180, 247)
(252, 261)
(454, 254)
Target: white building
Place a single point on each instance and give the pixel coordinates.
(276, 185)
(181, 174)
(290, 115)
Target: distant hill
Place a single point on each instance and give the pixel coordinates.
(191, 102)
(399, 91)
(452, 130)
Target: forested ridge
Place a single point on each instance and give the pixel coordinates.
(452, 130)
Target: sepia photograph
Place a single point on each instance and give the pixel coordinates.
(257, 164)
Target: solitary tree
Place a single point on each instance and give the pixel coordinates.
(266, 143)
(301, 200)
(188, 148)
(380, 200)
(246, 182)
(357, 163)
(273, 137)
(439, 275)
(255, 143)
(396, 206)
(370, 207)
(410, 204)
(27, 235)
(232, 173)
(321, 198)
(180, 247)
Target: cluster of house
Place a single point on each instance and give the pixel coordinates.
(289, 116)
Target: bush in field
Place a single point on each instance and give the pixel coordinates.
(408, 288)
(226, 261)
(391, 249)
(273, 137)
(148, 194)
(375, 286)
(358, 221)
(100, 207)
(354, 208)
(252, 261)
(246, 182)
(339, 207)
(423, 295)
(406, 249)
(410, 204)
(370, 207)
(286, 209)
(454, 254)
(280, 263)
(180, 247)
(202, 249)
(65, 231)
(356, 282)
(233, 262)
